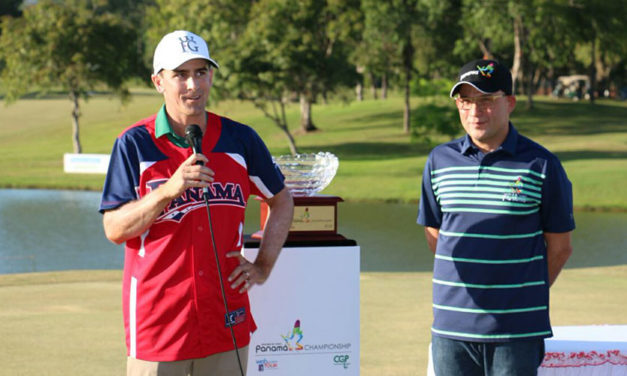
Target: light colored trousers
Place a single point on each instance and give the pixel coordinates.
(221, 364)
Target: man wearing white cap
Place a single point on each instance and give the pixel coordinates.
(498, 214)
(153, 200)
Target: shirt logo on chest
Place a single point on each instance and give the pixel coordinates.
(515, 192)
(192, 199)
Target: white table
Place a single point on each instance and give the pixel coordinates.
(586, 350)
(593, 350)
(307, 313)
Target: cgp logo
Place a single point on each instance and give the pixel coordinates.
(341, 360)
(188, 43)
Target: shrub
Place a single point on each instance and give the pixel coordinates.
(429, 119)
(423, 87)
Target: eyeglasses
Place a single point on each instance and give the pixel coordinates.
(482, 102)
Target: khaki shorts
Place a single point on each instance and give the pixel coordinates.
(221, 364)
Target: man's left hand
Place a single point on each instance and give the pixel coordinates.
(246, 274)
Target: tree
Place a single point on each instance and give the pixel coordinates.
(487, 31)
(524, 33)
(66, 46)
(270, 51)
(134, 12)
(10, 8)
(441, 60)
(377, 54)
(302, 46)
(600, 31)
(223, 24)
(394, 29)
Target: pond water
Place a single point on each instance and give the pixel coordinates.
(45, 230)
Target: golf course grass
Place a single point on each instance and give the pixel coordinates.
(378, 162)
(70, 323)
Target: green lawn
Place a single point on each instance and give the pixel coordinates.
(377, 161)
(70, 323)
(65, 323)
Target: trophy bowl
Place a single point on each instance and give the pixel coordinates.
(307, 174)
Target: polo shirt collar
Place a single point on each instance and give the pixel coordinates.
(508, 146)
(163, 127)
(467, 145)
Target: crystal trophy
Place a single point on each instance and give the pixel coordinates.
(315, 215)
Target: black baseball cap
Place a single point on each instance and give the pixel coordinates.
(487, 76)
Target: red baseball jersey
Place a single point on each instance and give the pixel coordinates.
(173, 307)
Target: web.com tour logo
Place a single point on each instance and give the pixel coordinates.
(267, 365)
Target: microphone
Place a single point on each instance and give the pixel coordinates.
(193, 136)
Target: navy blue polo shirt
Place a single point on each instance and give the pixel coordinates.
(490, 275)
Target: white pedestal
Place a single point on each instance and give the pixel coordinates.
(307, 313)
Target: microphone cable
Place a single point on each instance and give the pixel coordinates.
(226, 307)
(193, 135)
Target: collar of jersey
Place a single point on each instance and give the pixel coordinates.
(163, 127)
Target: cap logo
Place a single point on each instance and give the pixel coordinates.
(487, 70)
(188, 43)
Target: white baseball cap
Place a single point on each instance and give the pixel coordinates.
(178, 47)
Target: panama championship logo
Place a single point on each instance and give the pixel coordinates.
(293, 343)
(292, 340)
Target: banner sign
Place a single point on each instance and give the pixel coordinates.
(307, 314)
(86, 163)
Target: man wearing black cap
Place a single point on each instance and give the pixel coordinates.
(497, 211)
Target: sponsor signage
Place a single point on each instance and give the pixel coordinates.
(267, 365)
(86, 163)
(307, 314)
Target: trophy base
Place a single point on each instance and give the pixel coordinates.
(315, 220)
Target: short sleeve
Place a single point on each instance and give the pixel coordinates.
(557, 199)
(122, 177)
(265, 176)
(429, 211)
